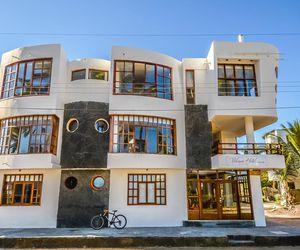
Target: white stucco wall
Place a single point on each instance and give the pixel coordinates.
(42, 216)
(171, 214)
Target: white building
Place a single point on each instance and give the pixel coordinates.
(144, 133)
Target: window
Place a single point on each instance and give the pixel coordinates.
(22, 189)
(98, 74)
(72, 125)
(143, 134)
(78, 75)
(236, 80)
(27, 78)
(29, 134)
(101, 126)
(71, 182)
(190, 86)
(139, 78)
(97, 182)
(146, 189)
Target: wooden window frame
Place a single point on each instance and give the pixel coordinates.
(190, 88)
(155, 82)
(31, 87)
(77, 70)
(31, 121)
(157, 190)
(104, 71)
(15, 179)
(235, 80)
(143, 121)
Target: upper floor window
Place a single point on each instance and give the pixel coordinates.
(29, 134)
(143, 134)
(139, 78)
(27, 78)
(98, 74)
(22, 189)
(78, 75)
(190, 86)
(236, 80)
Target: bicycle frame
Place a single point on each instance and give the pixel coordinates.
(106, 214)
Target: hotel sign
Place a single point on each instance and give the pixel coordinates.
(243, 161)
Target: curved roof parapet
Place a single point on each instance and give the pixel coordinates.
(129, 53)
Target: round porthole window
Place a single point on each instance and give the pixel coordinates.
(72, 125)
(101, 125)
(71, 182)
(97, 182)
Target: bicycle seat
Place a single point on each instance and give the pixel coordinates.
(114, 211)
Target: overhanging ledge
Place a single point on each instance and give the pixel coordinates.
(247, 161)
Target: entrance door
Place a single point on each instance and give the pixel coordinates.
(218, 198)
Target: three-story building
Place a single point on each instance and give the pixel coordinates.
(144, 133)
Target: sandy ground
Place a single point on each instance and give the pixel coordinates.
(273, 210)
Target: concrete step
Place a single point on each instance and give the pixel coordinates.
(241, 240)
(219, 223)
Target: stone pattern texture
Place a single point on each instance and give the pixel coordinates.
(85, 148)
(77, 206)
(198, 137)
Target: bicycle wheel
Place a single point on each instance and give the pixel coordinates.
(120, 221)
(97, 222)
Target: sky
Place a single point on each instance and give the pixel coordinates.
(161, 17)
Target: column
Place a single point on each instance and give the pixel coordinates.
(255, 183)
(249, 128)
(257, 200)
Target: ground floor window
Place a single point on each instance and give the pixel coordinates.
(146, 189)
(216, 195)
(22, 189)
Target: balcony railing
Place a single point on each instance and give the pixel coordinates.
(247, 148)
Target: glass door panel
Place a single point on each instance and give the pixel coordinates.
(209, 201)
(228, 200)
(193, 199)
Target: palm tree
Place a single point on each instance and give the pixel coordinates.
(291, 170)
(293, 135)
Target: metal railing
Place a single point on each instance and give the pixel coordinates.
(247, 148)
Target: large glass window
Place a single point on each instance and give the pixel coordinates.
(27, 78)
(22, 189)
(139, 78)
(29, 134)
(146, 189)
(236, 80)
(143, 134)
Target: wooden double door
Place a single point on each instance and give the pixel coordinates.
(217, 199)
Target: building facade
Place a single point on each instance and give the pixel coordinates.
(144, 133)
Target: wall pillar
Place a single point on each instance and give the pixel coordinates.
(257, 199)
(249, 129)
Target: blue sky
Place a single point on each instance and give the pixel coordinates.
(161, 17)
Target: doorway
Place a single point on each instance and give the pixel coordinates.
(218, 195)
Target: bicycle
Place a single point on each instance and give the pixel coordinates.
(118, 220)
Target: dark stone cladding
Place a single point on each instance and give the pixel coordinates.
(77, 206)
(85, 148)
(198, 137)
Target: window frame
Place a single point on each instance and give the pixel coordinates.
(105, 71)
(235, 80)
(155, 82)
(188, 88)
(39, 189)
(156, 189)
(77, 70)
(53, 136)
(26, 61)
(113, 133)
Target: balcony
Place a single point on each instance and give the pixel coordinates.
(247, 148)
(247, 156)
